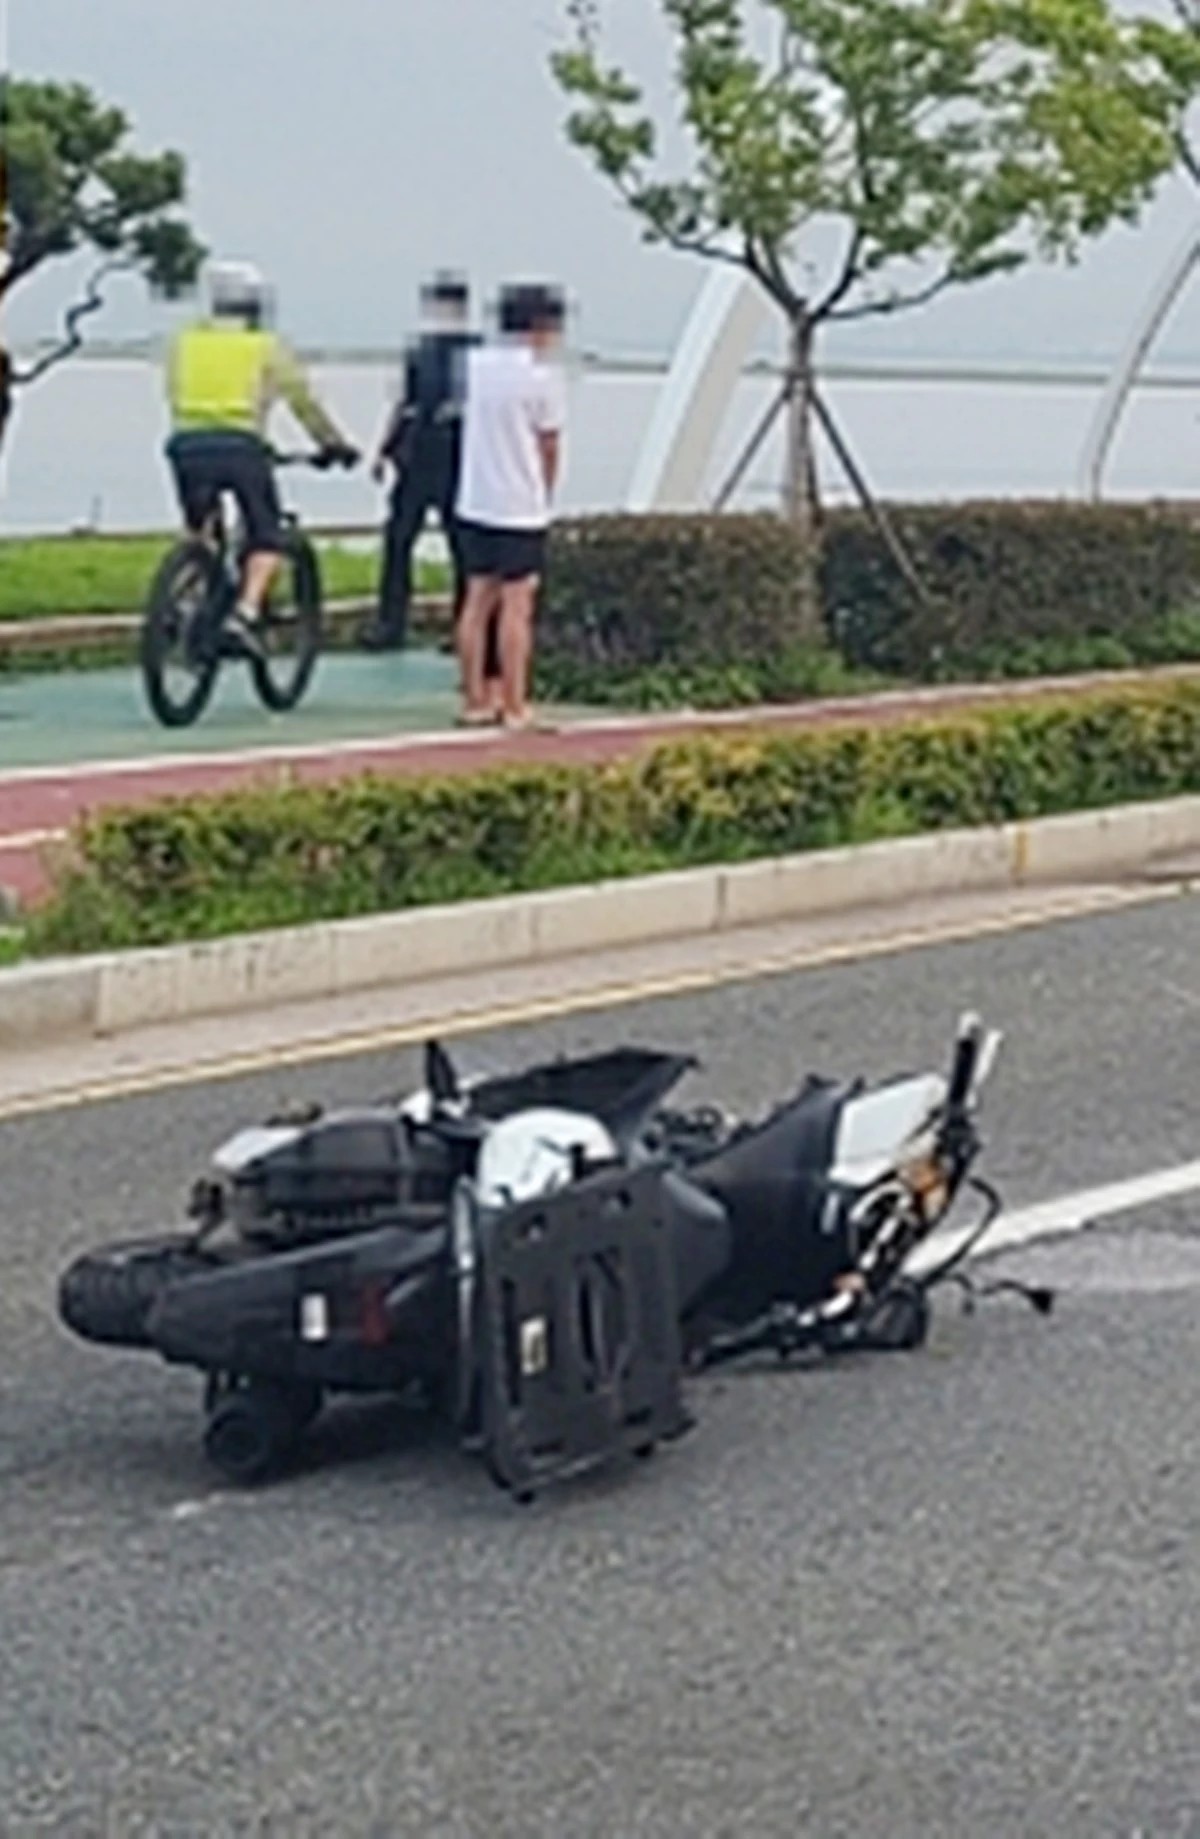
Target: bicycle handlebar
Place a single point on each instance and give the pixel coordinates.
(317, 459)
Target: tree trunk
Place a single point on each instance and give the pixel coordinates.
(800, 477)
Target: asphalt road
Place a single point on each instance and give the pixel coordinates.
(949, 1593)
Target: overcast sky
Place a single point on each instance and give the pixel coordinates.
(352, 145)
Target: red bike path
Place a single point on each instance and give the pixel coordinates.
(39, 805)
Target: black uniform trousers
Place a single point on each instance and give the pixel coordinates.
(428, 482)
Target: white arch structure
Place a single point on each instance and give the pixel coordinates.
(1124, 374)
(692, 405)
(730, 310)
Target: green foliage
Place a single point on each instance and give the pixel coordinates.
(1173, 640)
(73, 182)
(656, 612)
(69, 182)
(631, 592)
(1179, 52)
(815, 674)
(789, 676)
(267, 857)
(43, 578)
(953, 138)
(46, 576)
(1012, 581)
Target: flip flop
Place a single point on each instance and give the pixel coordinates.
(530, 724)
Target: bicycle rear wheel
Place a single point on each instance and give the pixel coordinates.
(290, 629)
(179, 654)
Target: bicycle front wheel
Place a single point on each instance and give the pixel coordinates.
(290, 630)
(179, 656)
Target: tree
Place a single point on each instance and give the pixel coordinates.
(945, 140)
(70, 182)
(1188, 14)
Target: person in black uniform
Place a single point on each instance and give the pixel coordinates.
(422, 448)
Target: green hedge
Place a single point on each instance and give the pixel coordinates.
(812, 671)
(790, 675)
(1004, 576)
(267, 857)
(633, 601)
(635, 592)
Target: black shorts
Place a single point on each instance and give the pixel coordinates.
(205, 465)
(506, 555)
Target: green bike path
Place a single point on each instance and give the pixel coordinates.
(55, 719)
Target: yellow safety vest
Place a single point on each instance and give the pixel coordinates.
(223, 377)
(230, 377)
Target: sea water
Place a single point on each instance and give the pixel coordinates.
(85, 447)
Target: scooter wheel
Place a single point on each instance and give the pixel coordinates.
(107, 1296)
(900, 1323)
(304, 1403)
(249, 1434)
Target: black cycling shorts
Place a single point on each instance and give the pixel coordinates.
(505, 555)
(205, 465)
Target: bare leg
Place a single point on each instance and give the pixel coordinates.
(472, 632)
(494, 681)
(261, 570)
(518, 599)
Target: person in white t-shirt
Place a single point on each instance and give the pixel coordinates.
(512, 441)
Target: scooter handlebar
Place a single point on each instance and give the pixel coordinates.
(967, 1049)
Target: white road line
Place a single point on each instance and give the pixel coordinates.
(1070, 1213)
(956, 699)
(190, 1509)
(266, 756)
(349, 749)
(31, 839)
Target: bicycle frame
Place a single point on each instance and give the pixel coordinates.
(225, 530)
(222, 530)
(193, 612)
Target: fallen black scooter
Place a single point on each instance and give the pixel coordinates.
(542, 1256)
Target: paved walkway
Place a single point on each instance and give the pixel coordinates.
(71, 744)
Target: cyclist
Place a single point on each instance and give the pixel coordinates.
(225, 374)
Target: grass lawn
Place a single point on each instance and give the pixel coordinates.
(44, 576)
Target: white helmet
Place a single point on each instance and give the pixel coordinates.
(237, 287)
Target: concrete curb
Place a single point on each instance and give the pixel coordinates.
(117, 992)
(78, 633)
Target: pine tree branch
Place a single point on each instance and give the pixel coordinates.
(72, 338)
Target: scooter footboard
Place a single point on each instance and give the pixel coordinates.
(581, 1357)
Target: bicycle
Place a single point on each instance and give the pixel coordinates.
(185, 629)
